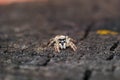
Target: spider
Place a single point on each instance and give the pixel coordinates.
(62, 42)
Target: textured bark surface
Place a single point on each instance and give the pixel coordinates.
(26, 28)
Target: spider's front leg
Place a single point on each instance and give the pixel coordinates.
(73, 46)
(56, 47)
(51, 42)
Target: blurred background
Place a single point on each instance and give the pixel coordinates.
(45, 12)
(27, 25)
(86, 9)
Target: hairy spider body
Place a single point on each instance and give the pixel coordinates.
(62, 42)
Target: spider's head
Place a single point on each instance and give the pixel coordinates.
(62, 40)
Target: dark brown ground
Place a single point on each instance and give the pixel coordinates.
(26, 28)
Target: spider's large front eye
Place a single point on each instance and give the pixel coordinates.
(62, 40)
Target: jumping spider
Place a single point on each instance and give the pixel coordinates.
(62, 42)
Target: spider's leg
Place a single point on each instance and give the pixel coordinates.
(73, 46)
(57, 49)
(72, 40)
(51, 41)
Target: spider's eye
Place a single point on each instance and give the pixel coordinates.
(62, 40)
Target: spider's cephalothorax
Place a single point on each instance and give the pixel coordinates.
(62, 42)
